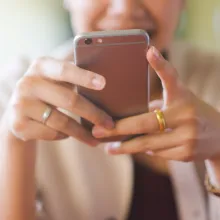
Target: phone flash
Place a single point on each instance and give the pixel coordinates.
(100, 40)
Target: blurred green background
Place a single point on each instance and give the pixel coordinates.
(34, 27)
(202, 23)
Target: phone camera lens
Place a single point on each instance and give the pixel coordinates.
(88, 41)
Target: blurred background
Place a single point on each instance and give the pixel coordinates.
(34, 27)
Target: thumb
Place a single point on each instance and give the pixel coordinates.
(167, 74)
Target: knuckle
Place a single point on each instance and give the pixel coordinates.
(190, 141)
(191, 134)
(20, 85)
(35, 66)
(186, 158)
(54, 136)
(80, 134)
(191, 117)
(72, 100)
(19, 126)
(63, 123)
(25, 84)
(25, 138)
(65, 67)
(98, 117)
(188, 154)
(18, 104)
(38, 61)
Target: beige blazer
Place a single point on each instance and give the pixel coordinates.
(77, 182)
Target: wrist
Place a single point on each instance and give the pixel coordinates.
(17, 180)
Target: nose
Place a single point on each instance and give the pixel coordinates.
(126, 9)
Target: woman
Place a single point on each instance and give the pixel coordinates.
(79, 182)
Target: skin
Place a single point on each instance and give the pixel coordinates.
(186, 117)
(21, 126)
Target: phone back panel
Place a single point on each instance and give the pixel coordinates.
(121, 59)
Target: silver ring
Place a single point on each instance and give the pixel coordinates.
(46, 114)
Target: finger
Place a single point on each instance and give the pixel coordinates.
(142, 124)
(154, 142)
(181, 153)
(58, 121)
(147, 123)
(65, 98)
(156, 104)
(26, 130)
(184, 135)
(167, 74)
(66, 72)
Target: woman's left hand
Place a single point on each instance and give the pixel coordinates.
(193, 127)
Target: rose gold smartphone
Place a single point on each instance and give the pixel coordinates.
(120, 56)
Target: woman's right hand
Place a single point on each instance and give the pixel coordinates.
(50, 82)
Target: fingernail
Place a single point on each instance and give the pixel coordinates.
(98, 82)
(109, 124)
(150, 153)
(112, 146)
(98, 131)
(156, 53)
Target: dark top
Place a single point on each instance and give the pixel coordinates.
(153, 197)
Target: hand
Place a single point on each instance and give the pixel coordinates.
(193, 127)
(50, 82)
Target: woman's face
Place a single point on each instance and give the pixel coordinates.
(158, 17)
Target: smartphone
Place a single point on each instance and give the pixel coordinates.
(120, 56)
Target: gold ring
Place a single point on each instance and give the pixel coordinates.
(161, 119)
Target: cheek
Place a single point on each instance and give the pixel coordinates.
(166, 16)
(168, 22)
(165, 12)
(170, 19)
